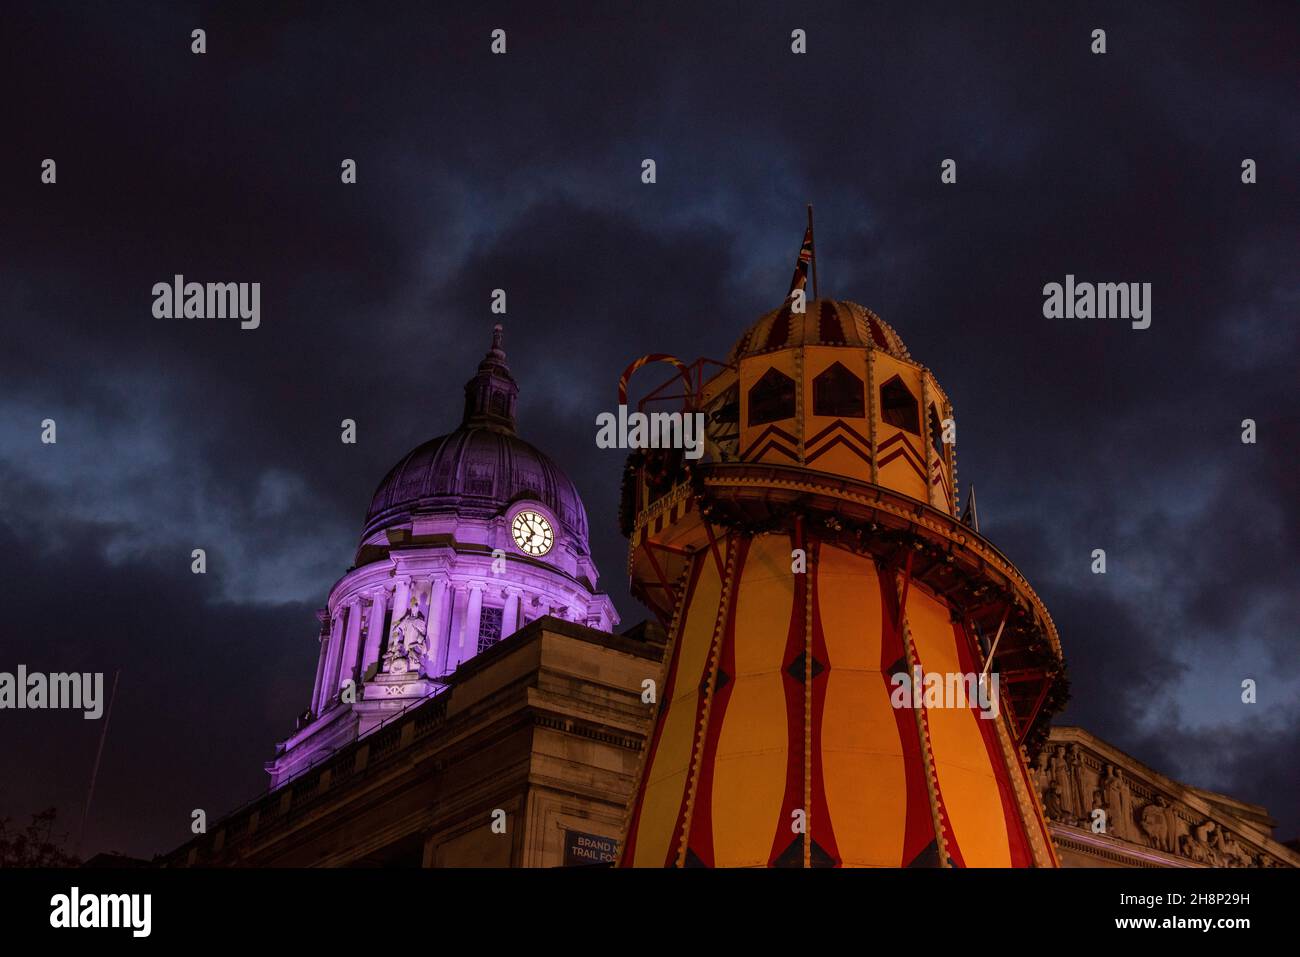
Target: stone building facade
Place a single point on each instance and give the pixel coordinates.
(1107, 809)
(525, 759)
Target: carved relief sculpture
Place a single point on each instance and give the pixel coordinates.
(1155, 824)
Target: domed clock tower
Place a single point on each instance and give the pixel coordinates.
(467, 539)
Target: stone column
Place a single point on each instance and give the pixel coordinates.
(332, 660)
(375, 634)
(510, 614)
(469, 643)
(436, 627)
(351, 641)
(322, 640)
(455, 621)
(402, 598)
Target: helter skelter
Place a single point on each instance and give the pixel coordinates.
(814, 553)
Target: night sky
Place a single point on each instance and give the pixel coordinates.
(523, 172)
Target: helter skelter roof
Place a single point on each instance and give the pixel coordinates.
(827, 322)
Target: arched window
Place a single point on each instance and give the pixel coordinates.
(837, 391)
(899, 407)
(771, 398)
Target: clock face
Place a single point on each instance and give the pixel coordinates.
(532, 533)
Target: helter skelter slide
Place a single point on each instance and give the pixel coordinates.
(814, 553)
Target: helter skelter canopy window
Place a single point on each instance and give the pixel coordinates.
(936, 433)
(899, 407)
(837, 391)
(771, 398)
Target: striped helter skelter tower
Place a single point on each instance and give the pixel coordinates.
(811, 555)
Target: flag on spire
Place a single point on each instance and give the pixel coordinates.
(800, 280)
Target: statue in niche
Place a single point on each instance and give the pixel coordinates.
(1090, 785)
(1042, 778)
(1171, 816)
(1204, 844)
(1213, 841)
(1230, 852)
(1118, 803)
(1154, 822)
(1074, 759)
(1052, 802)
(1061, 784)
(1040, 770)
(1191, 846)
(407, 644)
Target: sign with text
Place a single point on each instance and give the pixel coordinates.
(583, 850)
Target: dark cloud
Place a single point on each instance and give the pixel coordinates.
(205, 688)
(522, 172)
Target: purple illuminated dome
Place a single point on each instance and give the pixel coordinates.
(474, 471)
(477, 470)
(469, 537)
